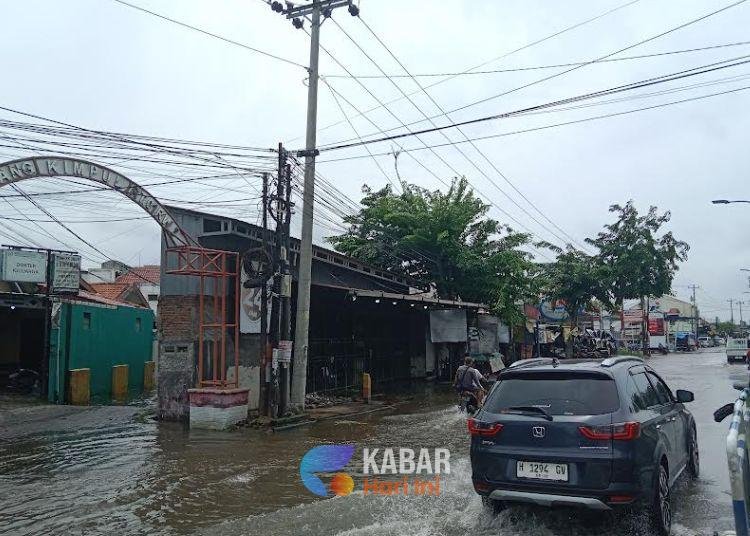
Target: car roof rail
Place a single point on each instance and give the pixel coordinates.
(612, 361)
(534, 361)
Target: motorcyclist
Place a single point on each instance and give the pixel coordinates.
(470, 379)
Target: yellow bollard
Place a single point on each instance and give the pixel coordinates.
(148, 376)
(366, 387)
(120, 383)
(79, 387)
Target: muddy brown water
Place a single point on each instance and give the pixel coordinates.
(159, 478)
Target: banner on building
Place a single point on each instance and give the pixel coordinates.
(655, 325)
(484, 339)
(448, 325)
(66, 272)
(553, 310)
(250, 306)
(503, 333)
(23, 266)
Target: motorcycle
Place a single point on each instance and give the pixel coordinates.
(24, 381)
(467, 402)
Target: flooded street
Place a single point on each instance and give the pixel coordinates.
(149, 478)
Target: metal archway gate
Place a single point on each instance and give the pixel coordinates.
(55, 166)
(221, 267)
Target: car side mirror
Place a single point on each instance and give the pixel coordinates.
(684, 396)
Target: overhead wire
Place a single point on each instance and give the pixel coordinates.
(565, 123)
(541, 67)
(556, 75)
(501, 57)
(695, 71)
(568, 238)
(438, 156)
(210, 34)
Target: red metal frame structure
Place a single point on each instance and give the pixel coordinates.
(212, 264)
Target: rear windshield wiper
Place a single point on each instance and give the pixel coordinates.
(528, 409)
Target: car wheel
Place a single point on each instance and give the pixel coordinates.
(694, 461)
(661, 510)
(493, 505)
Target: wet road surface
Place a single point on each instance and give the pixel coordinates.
(148, 478)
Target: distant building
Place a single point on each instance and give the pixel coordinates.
(148, 280)
(121, 292)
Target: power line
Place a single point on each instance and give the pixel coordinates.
(356, 132)
(442, 181)
(476, 148)
(210, 34)
(552, 76)
(610, 91)
(577, 121)
(540, 67)
(501, 57)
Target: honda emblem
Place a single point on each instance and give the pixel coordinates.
(538, 431)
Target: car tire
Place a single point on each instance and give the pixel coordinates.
(661, 509)
(694, 462)
(493, 505)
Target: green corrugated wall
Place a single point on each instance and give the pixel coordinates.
(109, 337)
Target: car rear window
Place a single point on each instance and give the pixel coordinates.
(557, 393)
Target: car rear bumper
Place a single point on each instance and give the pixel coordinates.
(617, 494)
(547, 499)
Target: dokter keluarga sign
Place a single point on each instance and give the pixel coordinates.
(23, 266)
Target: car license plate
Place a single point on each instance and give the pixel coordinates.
(542, 471)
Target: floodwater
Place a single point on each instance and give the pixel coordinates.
(158, 478)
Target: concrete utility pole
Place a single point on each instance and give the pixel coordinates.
(731, 311)
(297, 14)
(740, 304)
(695, 313)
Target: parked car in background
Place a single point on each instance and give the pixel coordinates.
(737, 349)
(705, 342)
(599, 435)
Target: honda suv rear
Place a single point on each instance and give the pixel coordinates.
(582, 433)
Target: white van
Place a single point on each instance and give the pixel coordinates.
(737, 349)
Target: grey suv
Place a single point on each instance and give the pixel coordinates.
(594, 434)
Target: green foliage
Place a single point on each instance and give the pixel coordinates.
(577, 279)
(634, 258)
(442, 240)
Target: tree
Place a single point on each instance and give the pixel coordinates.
(576, 279)
(444, 241)
(636, 259)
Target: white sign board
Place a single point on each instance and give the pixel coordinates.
(250, 301)
(66, 272)
(24, 266)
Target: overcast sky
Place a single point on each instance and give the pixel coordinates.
(102, 65)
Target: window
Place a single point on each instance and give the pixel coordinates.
(648, 395)
(138, 324)
(211, 226)
(558, 393)
(637, 402)
(665, 395)
(153, 297)
(86, 321)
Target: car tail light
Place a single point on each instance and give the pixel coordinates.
(622, 432)
(483, 429)
(480, 485)
(620, 499)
